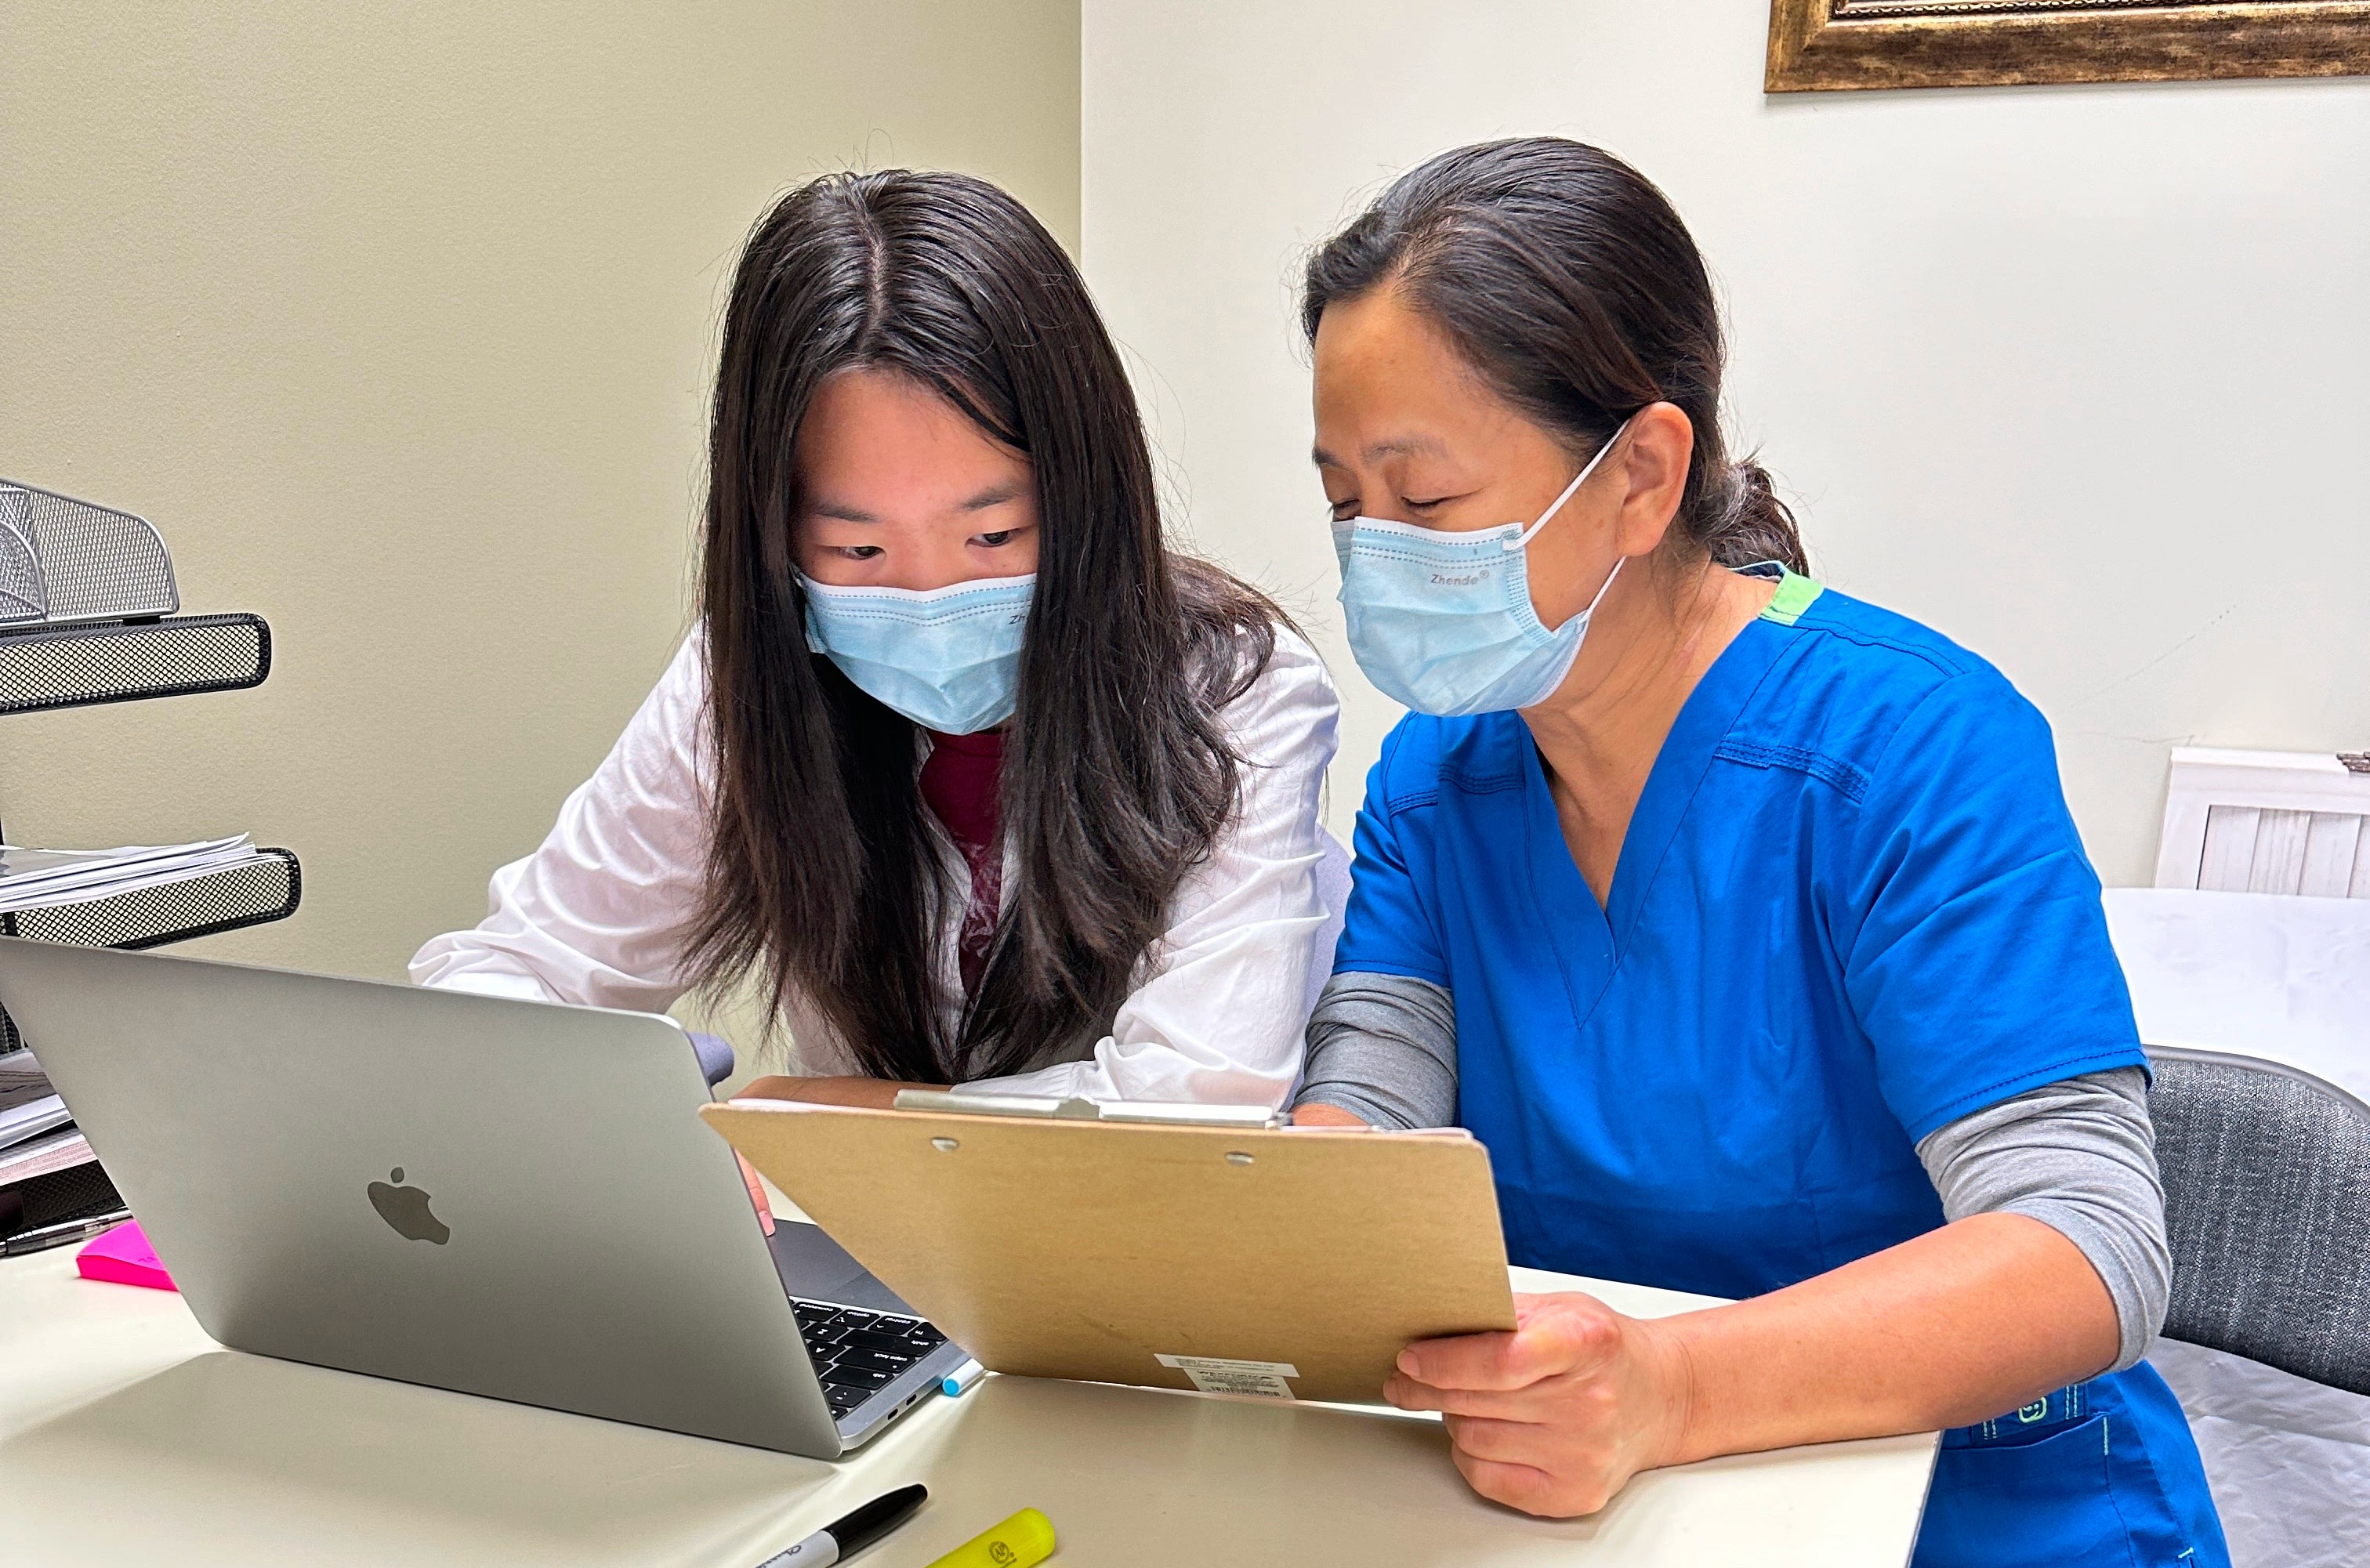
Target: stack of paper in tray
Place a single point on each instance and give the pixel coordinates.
(38, 879)
(37, 1136)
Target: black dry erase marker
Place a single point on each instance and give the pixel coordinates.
(845, 1537)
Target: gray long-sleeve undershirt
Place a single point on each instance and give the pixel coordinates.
(2077, 1155)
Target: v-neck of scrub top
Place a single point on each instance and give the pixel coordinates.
(1590, 938)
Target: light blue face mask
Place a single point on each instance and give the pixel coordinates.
(1443, 622)
(949, 658)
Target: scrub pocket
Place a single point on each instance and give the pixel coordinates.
(2074, 1479)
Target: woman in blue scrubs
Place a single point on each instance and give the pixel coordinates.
(1743, 922)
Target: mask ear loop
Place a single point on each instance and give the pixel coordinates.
(1569, 490)
(1618, 563)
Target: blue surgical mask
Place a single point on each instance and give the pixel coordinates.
(1443, 622)
(949, 658)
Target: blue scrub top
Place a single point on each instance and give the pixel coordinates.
(1851, 908)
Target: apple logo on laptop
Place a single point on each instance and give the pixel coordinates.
(405, 1210)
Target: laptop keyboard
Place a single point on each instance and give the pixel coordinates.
(856, 1353)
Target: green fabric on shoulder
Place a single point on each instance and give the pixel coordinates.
(1795, 594)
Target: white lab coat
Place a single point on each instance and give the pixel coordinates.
(597, 915)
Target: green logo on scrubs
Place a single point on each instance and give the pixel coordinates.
(2033, 1412)
(1795, 594)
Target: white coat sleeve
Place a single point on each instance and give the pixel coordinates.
(1219, 1012)
(598, 914)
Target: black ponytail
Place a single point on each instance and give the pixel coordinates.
(1567, 282)
(1754, 525)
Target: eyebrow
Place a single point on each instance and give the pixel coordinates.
(1398, 446)
(993, 496)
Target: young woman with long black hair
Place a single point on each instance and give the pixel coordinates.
(984, 781)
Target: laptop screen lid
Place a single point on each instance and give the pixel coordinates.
(502, 1197)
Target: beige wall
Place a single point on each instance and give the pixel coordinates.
(397, 319)
(2079, 375)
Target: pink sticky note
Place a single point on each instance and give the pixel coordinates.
(124, 1256)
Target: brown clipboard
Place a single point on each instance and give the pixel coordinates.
(1093, 1249)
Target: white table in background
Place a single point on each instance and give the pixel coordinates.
(127, 1436)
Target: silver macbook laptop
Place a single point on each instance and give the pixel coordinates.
(508, 1198)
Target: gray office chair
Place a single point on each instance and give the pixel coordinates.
(2267, 1200)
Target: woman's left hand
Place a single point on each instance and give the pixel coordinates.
(1555, 1417)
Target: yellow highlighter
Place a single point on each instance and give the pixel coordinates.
(1020, 1542)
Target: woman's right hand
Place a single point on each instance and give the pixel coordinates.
(1555, 1417)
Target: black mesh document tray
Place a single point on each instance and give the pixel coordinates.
(67, 667)
(252, 894)
(89, 615)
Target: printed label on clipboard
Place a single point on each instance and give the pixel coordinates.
(1213, 1375)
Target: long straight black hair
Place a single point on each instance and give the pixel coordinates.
(1567, 282)
(822, 874)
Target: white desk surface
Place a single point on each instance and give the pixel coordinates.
(128, 1436)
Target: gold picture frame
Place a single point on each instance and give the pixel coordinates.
(1841, 45)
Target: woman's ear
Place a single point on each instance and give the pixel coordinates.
(1661, 443)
